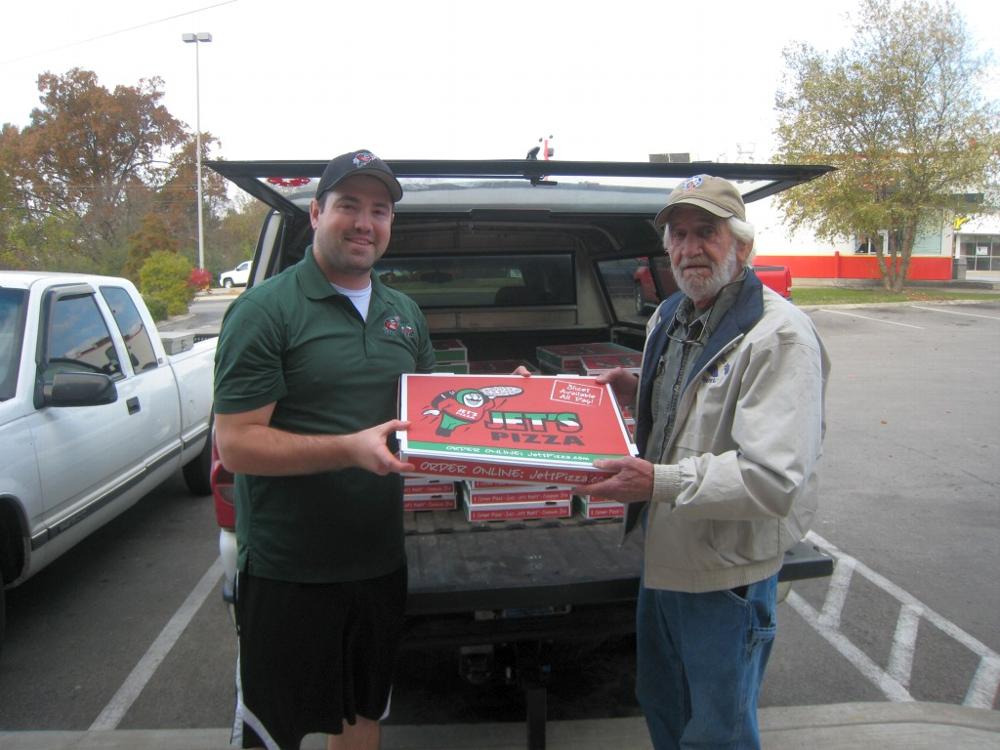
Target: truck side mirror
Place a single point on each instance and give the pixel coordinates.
(80, 389)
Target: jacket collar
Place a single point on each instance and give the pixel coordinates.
(744, 314)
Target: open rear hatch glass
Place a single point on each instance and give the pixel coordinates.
(456, 185)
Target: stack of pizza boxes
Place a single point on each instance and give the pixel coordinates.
(597, 364)
(428, 493)
(538, 435)
(487, 500)
(568, 358)
(450, 355)
(595, 508)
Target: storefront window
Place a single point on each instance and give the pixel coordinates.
(981, 251)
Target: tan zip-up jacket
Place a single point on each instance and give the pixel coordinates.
(736, 484)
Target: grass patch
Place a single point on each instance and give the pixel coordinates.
(821, 295)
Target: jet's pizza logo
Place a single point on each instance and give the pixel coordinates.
(459, 408)
(462, 408)
(535, 427)
(395, 325)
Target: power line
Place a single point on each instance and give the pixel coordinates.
(115, 33)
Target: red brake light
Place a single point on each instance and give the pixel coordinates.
(223, 493)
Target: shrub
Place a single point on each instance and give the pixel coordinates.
(157, 307)
(199, 279)
(163, 282)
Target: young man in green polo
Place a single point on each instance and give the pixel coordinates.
(305, 400)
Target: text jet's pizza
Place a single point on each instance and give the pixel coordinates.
(537, 430)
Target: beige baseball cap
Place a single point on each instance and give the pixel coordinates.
(714, 194)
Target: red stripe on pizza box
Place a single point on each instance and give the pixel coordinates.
(430, 503)
(537, 496)
(517, 511)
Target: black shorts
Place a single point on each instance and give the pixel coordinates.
(312, 655)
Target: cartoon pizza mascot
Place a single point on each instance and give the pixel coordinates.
(465, 406)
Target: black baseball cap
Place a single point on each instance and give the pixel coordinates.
(358, 162)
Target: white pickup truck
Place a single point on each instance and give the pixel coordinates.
(94, 412)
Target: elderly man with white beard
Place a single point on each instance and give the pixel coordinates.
(729, 424)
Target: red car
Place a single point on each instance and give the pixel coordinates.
(778, 278)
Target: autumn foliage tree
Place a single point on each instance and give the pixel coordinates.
(177, 200)
(901, 115)
(92, 154)
(153, 236)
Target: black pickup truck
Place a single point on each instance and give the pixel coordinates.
(507, 256)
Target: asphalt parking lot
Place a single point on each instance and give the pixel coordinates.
(128, 629)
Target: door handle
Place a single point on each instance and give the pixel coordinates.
(133, 404)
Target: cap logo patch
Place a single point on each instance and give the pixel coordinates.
(692, 183)
(363, 158)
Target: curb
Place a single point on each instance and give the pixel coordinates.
(844, 726)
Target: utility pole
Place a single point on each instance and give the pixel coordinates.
(198, 39)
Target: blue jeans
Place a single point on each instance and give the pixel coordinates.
(700, 663)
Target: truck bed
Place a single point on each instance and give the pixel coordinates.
(539, 578)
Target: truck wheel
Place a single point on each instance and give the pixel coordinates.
(198, 471)
(228, 283)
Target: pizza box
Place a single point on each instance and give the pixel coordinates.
(522, 494)
(528, 430)
(449, 493)
(479, 484)
(411, 479)
(491, 483)
(430, 502)
(450, 350)
(499, 366)
(600, 508)
(595, 364)
(518, 511)
(566, 358)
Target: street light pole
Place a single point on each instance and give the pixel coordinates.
(198, 39)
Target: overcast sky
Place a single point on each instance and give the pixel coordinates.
(443, 79)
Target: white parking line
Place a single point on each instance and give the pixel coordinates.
(866, 317)
(893, 681)
(904, 644)
(955, 312)
(112, 714)
(890, 687)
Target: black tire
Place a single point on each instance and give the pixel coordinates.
(198, 471)
(228, 283)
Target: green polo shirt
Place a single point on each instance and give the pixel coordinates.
(296, 342)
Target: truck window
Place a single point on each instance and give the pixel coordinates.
(79, 340)
(13, 308)
(129, 322)
(483, 280)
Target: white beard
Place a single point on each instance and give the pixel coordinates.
(705, 289)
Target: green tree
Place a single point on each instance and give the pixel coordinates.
(93, 154)
(901, 115)
(235, 238)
